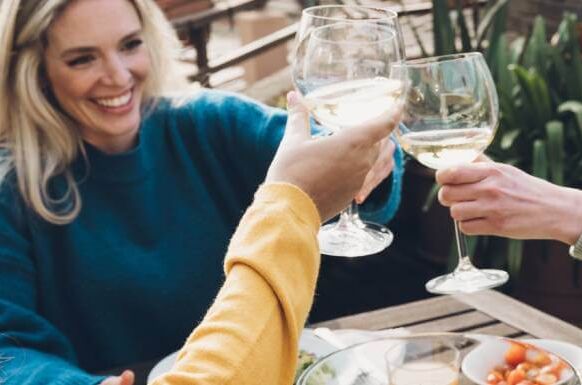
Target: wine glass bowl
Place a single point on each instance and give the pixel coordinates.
(450, 116)
(345, 78)
(343, 69)
(322, 15)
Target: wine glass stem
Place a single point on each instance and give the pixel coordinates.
(349, 215)
(464, 261)
(353, 210)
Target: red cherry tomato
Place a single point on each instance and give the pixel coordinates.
(515, 355)
(515, 376)
(494, 377)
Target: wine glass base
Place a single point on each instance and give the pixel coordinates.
(467, 281)
(354, 239)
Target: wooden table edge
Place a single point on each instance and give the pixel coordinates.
(522, 316)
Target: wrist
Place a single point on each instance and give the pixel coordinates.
(568, 223)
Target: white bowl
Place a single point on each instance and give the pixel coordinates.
(478, 363)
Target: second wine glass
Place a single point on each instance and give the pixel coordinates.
(344, 71)
(450, 117)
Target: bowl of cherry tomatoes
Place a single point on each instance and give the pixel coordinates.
(524, 362)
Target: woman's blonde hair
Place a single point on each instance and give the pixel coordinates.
(37, 140)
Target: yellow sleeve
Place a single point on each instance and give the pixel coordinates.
(250, 334)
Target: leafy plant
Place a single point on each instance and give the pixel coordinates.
(540, 90)
(451, 30)
(539, 82)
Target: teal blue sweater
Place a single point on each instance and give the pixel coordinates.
(134, 273)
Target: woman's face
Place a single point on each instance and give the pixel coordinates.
(96, 64)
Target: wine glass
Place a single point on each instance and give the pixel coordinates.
(450, 116)
(342, 67)
(426, 361)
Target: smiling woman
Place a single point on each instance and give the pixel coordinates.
(118, 201)
(64, 66)
(97, 65)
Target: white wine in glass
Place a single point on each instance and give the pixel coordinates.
(450, 117)
(343, 68)
(347, 104)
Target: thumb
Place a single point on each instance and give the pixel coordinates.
(298, 119)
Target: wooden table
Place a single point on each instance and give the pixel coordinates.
(487, 312)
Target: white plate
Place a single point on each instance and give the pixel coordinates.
(479, 361)
(308, 342)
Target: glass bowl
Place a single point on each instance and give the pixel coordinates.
(366, 363)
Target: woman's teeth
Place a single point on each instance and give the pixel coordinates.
(119, 101)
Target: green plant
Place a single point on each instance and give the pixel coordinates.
(540, 91)
(539, 82)
(451, 32)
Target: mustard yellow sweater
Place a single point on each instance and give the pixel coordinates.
(250, 334)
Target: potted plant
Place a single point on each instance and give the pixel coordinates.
(540, 89)
(539, 83)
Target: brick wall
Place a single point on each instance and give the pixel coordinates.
(522, 12)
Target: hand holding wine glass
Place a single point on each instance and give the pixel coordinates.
(450, 117)
(343, 70)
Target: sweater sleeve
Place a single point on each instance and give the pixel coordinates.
(32, 350)
(250, 334)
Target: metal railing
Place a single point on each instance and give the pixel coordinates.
(196, 28)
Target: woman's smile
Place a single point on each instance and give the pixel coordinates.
(119, 104)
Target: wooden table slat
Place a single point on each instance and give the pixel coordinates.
(396, 316)
(501, 329)
(466, 322)
(522, 316)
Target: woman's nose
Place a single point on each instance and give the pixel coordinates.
(116, 72)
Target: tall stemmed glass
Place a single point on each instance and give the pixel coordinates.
(342, 66)
(450, 117)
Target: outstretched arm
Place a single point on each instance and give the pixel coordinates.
(498, 199)
(250, 334)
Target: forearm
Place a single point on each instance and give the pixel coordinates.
(250, 335)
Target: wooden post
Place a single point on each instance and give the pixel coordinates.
(198, 37)
(256, 24)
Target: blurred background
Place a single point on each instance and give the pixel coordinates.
(533, 49)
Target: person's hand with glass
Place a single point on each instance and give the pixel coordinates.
(450, 117)
(343, 69)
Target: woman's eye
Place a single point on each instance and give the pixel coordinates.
(132, 44)
(79, 61)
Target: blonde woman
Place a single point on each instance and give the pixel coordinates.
(116, 203)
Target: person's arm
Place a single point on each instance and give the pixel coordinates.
(32, 350)
(250, 335)
(491, 198)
